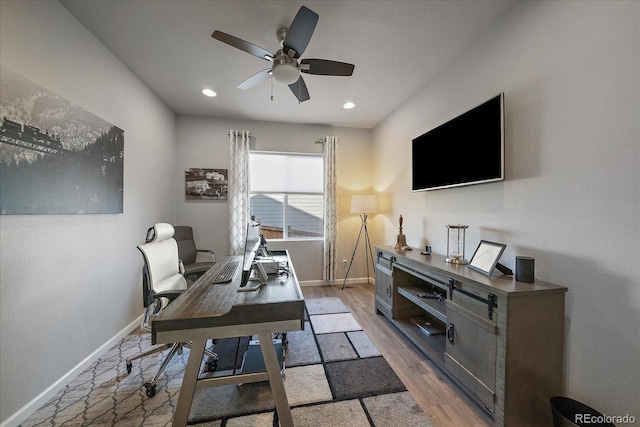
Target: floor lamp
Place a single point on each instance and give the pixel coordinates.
(363, 205)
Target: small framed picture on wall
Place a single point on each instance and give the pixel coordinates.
(206, 184)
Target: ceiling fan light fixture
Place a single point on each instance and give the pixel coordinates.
(286, 73)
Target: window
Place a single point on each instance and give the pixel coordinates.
(286, 194)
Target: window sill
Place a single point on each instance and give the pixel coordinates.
(297, 239)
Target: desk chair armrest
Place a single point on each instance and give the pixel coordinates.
(170, 295)
(205, 255)
(152, 310)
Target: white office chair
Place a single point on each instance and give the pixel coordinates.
(162, 282)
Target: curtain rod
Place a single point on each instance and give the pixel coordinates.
(318, 141)
(323, 139)
(229, 134)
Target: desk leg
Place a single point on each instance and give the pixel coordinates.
(188, 388)
(275, 380)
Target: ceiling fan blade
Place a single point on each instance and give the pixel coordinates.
(257, 78)
(243, 45)
(300, 31)
(326, 67)
(300, 91)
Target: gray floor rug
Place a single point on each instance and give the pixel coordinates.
(328, 305)
(362, 377)
(333, 379)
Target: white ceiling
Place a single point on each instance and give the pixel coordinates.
(396, 46)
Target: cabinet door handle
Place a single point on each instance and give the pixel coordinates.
(389, 290)
(451, 333)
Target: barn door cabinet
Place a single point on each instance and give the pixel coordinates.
(500, 340)
(384, 289)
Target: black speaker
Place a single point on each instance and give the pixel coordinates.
(524, 269)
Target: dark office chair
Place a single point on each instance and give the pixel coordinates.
(189, 253)
(162, 282)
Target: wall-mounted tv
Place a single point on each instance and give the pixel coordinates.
(468, 149)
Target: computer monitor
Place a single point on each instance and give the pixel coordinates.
(251, 246)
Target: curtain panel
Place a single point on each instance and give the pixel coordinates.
(238, 189)
(330, 158)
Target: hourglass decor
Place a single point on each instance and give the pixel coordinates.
(455, 244)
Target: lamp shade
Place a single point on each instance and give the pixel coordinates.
(364, 204)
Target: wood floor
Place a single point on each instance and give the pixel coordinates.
(444, 402)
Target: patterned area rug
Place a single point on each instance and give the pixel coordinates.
(334, 376)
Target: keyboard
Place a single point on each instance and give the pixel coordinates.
(225, 273)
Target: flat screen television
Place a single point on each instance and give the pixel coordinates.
(468, 149)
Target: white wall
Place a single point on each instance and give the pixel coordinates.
(70, 283)
(571, 76)
(570, 72)
(204, 142)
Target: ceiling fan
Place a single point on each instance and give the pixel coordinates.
(286, 66)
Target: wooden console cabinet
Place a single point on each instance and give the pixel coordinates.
(500, 340)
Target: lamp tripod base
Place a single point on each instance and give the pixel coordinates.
(368, 251)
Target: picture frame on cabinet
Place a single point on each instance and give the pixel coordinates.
(486, 256)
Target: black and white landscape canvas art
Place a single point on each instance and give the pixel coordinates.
(55, 157)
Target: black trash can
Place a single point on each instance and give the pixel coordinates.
(571, 413)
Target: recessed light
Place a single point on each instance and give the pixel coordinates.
(348, 105)
(209, 92)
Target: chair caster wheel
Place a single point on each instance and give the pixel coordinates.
(129, 365)
(211, 365)
(150, 389)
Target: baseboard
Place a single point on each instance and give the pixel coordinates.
(314, 283)
(27, 410)
(336, 282)
(356, 280)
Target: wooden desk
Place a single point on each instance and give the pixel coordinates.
(206, 311)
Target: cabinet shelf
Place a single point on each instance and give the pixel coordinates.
(432, 345)
(433, 306)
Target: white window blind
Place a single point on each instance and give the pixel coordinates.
(287, 194)
(285, 172)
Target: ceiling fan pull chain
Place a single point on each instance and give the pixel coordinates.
(272, 88)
